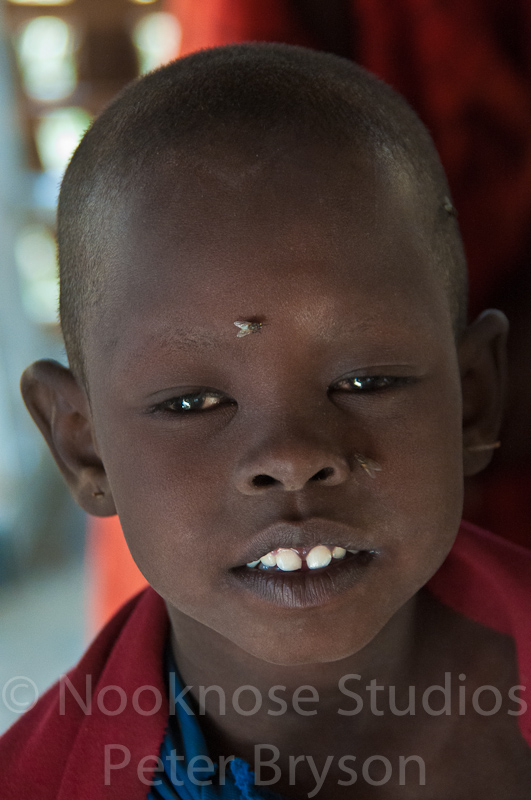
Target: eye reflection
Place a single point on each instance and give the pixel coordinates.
(368, 383)
(201, 401)
(193, 402)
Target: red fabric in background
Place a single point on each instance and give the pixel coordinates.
(217, 22)
(113, 577)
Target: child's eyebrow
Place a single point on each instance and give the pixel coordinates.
(200, 337)
(170, 336)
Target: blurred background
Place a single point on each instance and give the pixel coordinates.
(60, 63)
(466, 69)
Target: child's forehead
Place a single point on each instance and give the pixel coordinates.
(322, 245)
(239, 193)
(293, 206)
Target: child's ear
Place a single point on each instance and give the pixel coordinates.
(483, 366)
(60, 409)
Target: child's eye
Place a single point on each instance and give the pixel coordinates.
(368, 383)
(193, 402)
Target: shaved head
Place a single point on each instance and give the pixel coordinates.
(249, 98)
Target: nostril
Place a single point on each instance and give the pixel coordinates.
(323, 474)
(263, 480)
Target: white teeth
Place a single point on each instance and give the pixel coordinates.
(288, 560)
(269, 560)
(319, 556)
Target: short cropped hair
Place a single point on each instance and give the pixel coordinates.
(265, 90)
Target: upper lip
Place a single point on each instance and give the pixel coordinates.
(304, 533)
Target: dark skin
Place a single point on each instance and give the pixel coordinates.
(329, 252)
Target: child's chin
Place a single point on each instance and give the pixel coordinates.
(300, 658)
(298, 649)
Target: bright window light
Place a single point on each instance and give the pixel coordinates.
(57, 136)
(35, 255)
(45, 50)
(157, 38)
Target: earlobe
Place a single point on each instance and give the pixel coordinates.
(59, 407)
(483, 367)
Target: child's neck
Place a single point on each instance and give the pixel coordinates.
(205, 659)
(422, 644)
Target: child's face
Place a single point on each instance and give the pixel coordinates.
(330, 257)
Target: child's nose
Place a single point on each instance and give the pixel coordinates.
(291, 465)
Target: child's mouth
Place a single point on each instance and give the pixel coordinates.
(294, 581)
(295, 559)
(301, 564)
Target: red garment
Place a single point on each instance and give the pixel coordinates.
(49, 756)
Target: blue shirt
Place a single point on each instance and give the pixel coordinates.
(187, 765)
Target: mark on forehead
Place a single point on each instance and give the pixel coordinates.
(194, 338)
(236, 162)
(231, 172)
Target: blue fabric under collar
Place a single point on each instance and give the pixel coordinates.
(184, 739)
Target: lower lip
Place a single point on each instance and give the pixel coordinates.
(305, 588)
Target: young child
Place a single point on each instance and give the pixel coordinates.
(273, 383)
